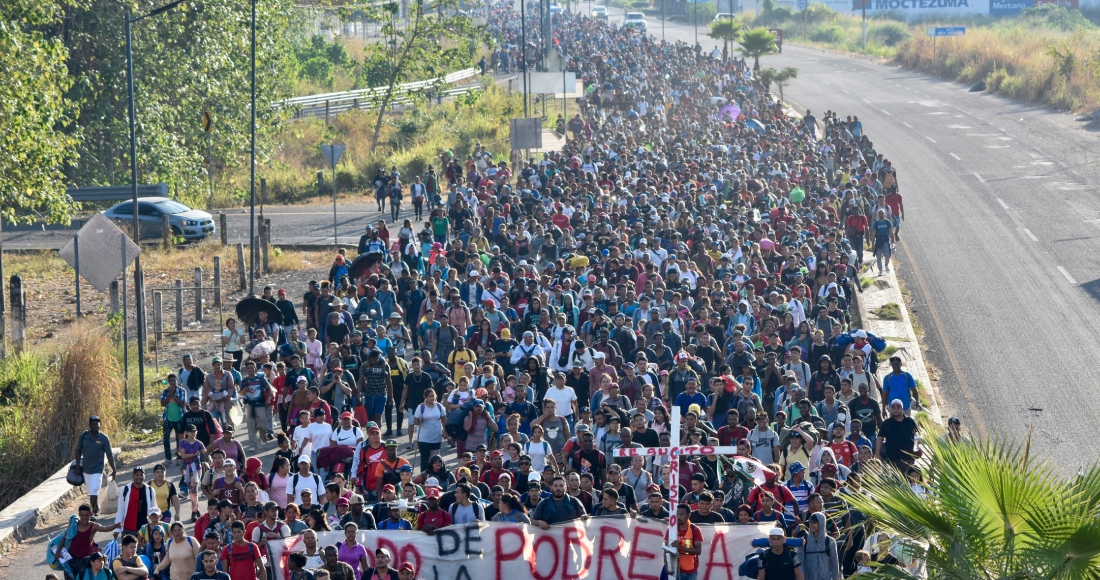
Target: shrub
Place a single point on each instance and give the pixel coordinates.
(827, 34)
(701, 12)
(888, 33)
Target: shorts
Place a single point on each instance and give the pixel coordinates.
(896, 221)
(375, 404)
(94, 481)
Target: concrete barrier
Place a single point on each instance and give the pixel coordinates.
(19, 520)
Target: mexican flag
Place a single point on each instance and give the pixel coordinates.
(750, 469)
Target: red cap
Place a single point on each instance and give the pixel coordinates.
(345, 415)
(389, 487)
(496, 453)
(407, 566)
(373, 430)
(432, 492)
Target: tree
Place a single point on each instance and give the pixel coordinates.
(756, 43)
(194, 58)
(784, 77)
(728, 30)
(34, 114)
(992, 511)
(426, 46)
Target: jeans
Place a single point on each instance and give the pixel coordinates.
(882, 250)
(169, 427)
(687, 576)
(426, 452)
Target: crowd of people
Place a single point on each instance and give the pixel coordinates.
(694, 246)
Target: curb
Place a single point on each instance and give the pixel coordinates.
(898, 333)
(20, 520)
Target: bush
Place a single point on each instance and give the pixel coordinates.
(701, 12)
(888, 33)
(1056, 16)
(47, 398)
(827, 34)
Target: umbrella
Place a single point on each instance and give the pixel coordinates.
(732, 110)
(248, 310)
(755, 125)
(363, 263)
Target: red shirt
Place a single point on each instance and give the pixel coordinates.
(893, 200)
(690, 537)
(782, 495)
(845, 452)
(241, 560)
(490, 477)
(858, 223)
(438, 518)
(730, 435)
(133, 508)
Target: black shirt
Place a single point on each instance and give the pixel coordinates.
(899, 438)
(866, 413)
(780, 566)
(712, 518)
(414, 389)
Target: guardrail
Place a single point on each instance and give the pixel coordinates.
(115, 192)
(335, 103)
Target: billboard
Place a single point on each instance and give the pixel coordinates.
(1009, 7)
(921, 9)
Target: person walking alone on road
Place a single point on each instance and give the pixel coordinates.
(91, 447)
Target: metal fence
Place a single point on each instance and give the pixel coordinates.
(328, 104)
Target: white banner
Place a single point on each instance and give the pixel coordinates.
(594, 549)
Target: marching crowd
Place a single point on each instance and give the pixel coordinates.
(694, 246)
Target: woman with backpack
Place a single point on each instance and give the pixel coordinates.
(428, 419)
(180, 554)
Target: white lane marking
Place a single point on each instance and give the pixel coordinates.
(1066, 274)
(826, 82)
(929, 138)
(1063, 164)
(1074, 171)
(1031, 235)
(980, 178)
(846, 91)
(906, 124)
(885, 111)
(866, 101)
(1002, 202)
(957, 158)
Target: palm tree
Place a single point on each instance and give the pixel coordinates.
(783, 78)
(727, 30)
(756, 43)
(992, 512)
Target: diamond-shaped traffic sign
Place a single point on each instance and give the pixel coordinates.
(105, 251)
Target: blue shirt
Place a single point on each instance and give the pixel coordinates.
(685, 400)
(897, 387)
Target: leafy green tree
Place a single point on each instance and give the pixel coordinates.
(992, 511)
(38, 138)
(756, 43)
(426, 45)
(784, 77)
(194, 58)
(728, 30)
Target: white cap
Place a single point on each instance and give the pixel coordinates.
(534, 476)
(777, 532)
(304, 459)
(860, 334)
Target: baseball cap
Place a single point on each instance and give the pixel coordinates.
(389, 487)
(391, 443)
(372, 429)
(777, 532)
(304, 459)
(496, 453)
(407, 567)
(343, 501)
(227, 463)
(432, 492)
(405, 469)
(345, 415)
(318, 412)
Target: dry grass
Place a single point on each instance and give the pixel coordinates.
(47, 398)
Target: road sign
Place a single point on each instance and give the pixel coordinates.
(526, 133)
(800, 5)
(946, 31)
(105, 251)
(207, 122)
(333, 153)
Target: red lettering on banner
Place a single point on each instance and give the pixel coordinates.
(612, 552)
(539, 541)
(718, 544)
(575, 537)
(506, 556)
(637, 554)
(409, 554)
(383, 543)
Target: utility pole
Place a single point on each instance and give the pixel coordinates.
(863, 3)
(3, 300)
(523, 39)
(252, 169)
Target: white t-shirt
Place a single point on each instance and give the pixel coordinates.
(563, 398)
(311, 482)
(320, 434)
(301, 441)
(350, 437)
(235, 339)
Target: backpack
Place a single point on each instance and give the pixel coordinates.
(750, 568)
(294, 484)
(456, 418)
(478, 509)
(62, 538)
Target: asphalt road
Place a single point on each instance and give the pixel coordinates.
(998, 250)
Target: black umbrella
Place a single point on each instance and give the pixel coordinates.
(363, 263)
(248, 310)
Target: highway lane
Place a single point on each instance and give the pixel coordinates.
(998, 249)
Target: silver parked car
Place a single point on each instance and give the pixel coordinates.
(191, 224)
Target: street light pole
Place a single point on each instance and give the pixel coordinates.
(139, 286)
(252, 169)
(523, 39)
